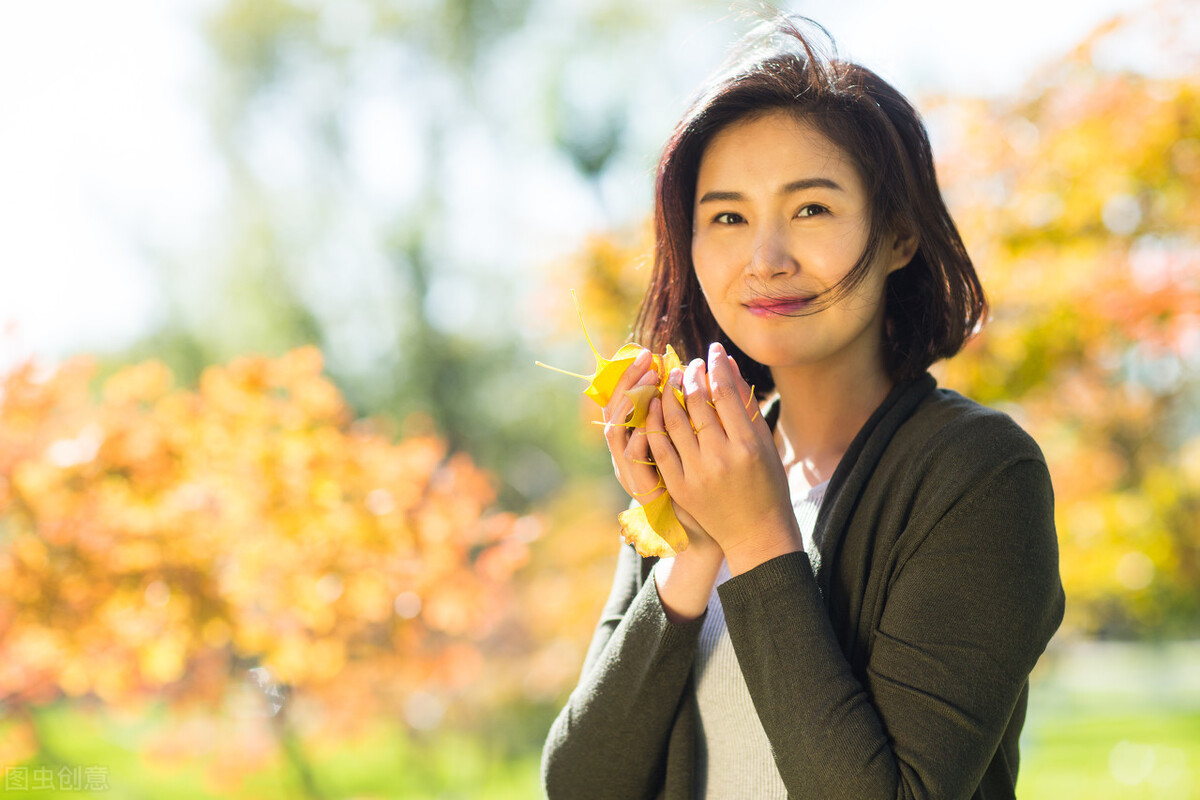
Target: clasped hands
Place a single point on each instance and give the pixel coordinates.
(717, 458)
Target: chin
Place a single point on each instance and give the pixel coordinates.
(773, 357)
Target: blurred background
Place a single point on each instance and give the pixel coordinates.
(285, 508)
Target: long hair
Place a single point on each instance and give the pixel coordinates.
(932, 305)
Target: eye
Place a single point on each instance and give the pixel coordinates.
(812, 210)
(728, 218)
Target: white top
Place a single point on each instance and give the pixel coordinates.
(733, 756)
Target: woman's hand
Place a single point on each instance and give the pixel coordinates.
(720, 463)
(632, 460)
(629, 451)
(684, 581)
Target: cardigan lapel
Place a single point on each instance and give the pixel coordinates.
(856, 468)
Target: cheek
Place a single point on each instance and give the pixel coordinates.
(711, 281)
(713, 266)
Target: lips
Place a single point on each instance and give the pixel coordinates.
(779, 306)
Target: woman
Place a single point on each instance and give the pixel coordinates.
(872, 571)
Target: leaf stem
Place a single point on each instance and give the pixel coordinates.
(563, 371)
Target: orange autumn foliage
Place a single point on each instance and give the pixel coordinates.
(157, 541)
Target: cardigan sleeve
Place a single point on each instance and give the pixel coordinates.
(610, 740)
(966, 616)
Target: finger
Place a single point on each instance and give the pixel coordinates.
(642, 474)
(676, 421)
(618, 404)
(727, 393)
(662, 446)
(633, 464)
(634, 372)
(695, 387)
(749, 398)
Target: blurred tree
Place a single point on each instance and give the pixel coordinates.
(155, 543)
(400, 175)
(1081, 203)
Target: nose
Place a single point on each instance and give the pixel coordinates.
(772, 256)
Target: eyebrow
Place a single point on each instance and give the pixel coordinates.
(794, 186)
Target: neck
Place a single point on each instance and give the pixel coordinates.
(822, 408)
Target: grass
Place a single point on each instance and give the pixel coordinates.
(1105, 722)
(1099, 756)
(381, 763)
(1111, 720)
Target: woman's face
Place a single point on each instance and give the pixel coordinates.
(781, 216)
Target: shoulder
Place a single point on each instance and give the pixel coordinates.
(951, 447)
(963, 434)
(964, 483)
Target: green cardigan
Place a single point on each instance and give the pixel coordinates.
(895, 666)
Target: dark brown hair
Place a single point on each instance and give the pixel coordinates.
(933, 305)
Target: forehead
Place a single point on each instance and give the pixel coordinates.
(775, 147)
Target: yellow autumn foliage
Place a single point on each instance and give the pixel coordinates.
(156, 541)
(1087, 246)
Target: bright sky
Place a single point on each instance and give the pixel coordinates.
(104, 157)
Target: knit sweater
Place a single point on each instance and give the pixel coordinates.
(895, 666)
(733, 754)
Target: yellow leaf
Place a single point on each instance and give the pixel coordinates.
(653, 529)
(641, 397)
(603, 381)
(668, 361)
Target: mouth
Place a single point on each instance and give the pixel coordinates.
(779, 306)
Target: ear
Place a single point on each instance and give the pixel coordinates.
(903, 248)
